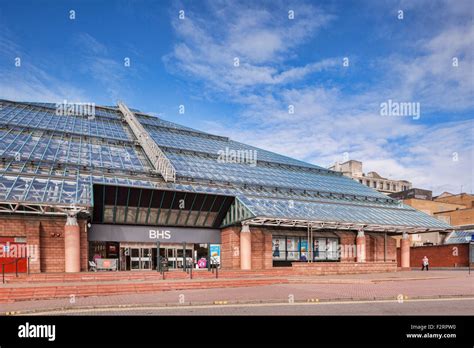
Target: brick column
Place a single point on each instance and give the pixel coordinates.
(405, 251)
(245, 248)
(72, 245)
(32, 229)
(360, 244)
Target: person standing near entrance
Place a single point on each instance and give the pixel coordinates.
(425, 263)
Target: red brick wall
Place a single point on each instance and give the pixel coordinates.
(448, 255)
(347, 241)
(261, 248)
(38, 231)
(230, 248)
(375, 247)
(324, 268)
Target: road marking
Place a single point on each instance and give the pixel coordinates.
(121, 308)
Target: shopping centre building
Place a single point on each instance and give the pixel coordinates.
(78, 185)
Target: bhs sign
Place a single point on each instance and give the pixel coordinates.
(159, 234)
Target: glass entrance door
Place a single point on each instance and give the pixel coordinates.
(140, 258)
(175, 256)
(145, 259)
(135, 258)
(172, 256)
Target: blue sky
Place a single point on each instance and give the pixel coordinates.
(282, 62)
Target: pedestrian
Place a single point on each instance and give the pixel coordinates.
(425, 263)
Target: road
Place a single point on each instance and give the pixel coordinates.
(445, 306)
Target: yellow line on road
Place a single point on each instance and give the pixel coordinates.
(239, 305)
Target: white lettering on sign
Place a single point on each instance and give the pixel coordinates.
(159, 234)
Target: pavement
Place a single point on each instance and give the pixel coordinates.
(411, 287)
(444, 307)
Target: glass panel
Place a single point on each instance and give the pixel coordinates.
(319, 249)
(119, 214)
(303, 249)
(332, 249)
(278, 248)
(131, 215)
(292, 248)
(108, 214)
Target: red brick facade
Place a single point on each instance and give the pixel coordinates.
(375, 248)
(46, 235)
(447, 255)
(326, 268)
(230, 248)
(377, 259)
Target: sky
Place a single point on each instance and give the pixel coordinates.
(307, 79)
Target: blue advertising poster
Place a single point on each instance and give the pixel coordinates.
(215, 253)
(303, 249)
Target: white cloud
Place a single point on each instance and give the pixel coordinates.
(328, 121)
(261, 39)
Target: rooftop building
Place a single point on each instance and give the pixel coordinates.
(353, 169)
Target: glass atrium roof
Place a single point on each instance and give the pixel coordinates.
(52, 159)
(459, 237)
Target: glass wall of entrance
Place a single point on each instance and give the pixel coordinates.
(144, 256)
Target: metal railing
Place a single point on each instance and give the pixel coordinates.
(160, 162)
(16, 267)
(214, 261)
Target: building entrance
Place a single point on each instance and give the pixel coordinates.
(144, 257)
(174, 256)
(140, 258)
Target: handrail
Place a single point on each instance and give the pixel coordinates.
(16, 266)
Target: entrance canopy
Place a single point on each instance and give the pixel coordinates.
(140, 206)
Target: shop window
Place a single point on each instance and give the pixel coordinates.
(279, 248)
(326, 249)
(292, 249)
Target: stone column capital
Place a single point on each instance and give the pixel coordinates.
(245, 229)
(71, 220)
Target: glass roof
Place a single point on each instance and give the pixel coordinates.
(29, 145)
(293, 177)
(330, 212)
(213, 146)
(25, 115)
(460, 237)
(53, 159)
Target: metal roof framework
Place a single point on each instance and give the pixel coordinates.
(334, 225)
(158, 159)
(50, 163)
(41, 209)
